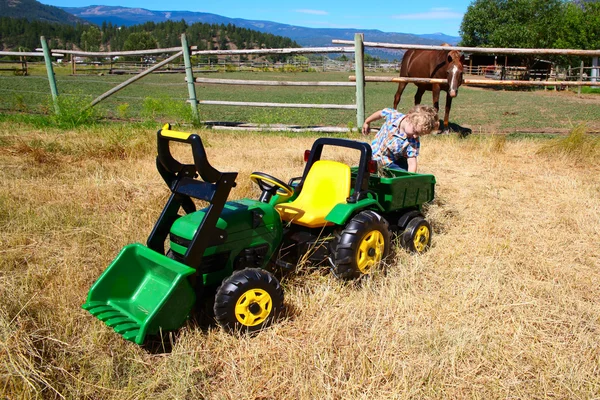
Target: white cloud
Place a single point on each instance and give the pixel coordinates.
(328, 25)
(313, 12)
(434, 13)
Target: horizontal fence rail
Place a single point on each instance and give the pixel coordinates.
(495, 50)
(279, 105)
(478, 82)
(270, 83)
(121, 53)
(301, 50)
(27, 54)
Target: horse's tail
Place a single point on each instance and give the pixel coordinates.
(405, 63)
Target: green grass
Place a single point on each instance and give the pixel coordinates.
(590, 90)
(162, 98)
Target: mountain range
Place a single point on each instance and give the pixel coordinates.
(302, 35)
(306, 37)
(33, 10)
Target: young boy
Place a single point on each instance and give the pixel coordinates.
(396, 145)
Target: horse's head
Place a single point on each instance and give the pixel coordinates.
(455, 72)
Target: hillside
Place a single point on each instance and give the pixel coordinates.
(302, 35)
(33, 10)
(21, 33)
(34, 14)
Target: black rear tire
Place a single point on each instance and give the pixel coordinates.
(364, 243)
(248, 301)
(416, 238)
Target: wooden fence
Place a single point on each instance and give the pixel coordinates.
(120, 67)
(20, 67)
(315, 50)
(509, 76)
(187, 51)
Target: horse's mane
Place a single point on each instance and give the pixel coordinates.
(454, 54)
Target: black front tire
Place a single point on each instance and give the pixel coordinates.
(364, 243)
(248, 301)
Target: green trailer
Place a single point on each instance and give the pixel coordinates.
(228, 253)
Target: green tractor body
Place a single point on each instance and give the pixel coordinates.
(253, 232)
(332, 213)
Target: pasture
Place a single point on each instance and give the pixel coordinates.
(505, 304)
(162, 97)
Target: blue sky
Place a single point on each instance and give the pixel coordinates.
(419, 17)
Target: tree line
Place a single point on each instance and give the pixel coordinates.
(22, 34)
(556, 24)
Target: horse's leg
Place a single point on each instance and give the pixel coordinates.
(435, 91)
(398, 95)
(447, 113)
(419, 95)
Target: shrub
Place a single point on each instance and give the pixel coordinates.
(73, 112)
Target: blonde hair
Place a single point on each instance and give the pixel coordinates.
(423, 118)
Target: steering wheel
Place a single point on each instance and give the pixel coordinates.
(270, 186)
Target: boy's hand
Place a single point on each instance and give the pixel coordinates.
(366, 128)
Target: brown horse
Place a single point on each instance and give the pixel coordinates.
(432, 64)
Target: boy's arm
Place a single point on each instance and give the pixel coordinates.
(373, 117)
(412, 164)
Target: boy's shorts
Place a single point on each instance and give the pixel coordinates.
(400, 164)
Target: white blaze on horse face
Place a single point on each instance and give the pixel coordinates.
(453, 77)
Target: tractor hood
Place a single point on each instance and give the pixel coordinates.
(237, 216)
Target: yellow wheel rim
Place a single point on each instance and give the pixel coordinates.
(421, 239)
(370, 251)
(253, 307)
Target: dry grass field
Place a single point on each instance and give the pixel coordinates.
(506, 304)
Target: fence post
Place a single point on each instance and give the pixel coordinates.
(580, 78)
(359, 71)
(594, 71)
(189, 77)
(48, 59)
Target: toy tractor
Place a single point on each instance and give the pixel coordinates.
(333, 213)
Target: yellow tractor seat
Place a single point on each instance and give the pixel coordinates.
(326, 184)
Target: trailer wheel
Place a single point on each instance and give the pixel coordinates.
(248, 301)
(364, 242)
(417, 235)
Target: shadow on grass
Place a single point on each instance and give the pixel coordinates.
(462, 131)
(203, 319)
(229, 124)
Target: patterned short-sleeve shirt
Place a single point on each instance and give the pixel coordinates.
(390, 143)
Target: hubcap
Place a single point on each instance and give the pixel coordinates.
(253, 307)
(421, 238)
(370, 251)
